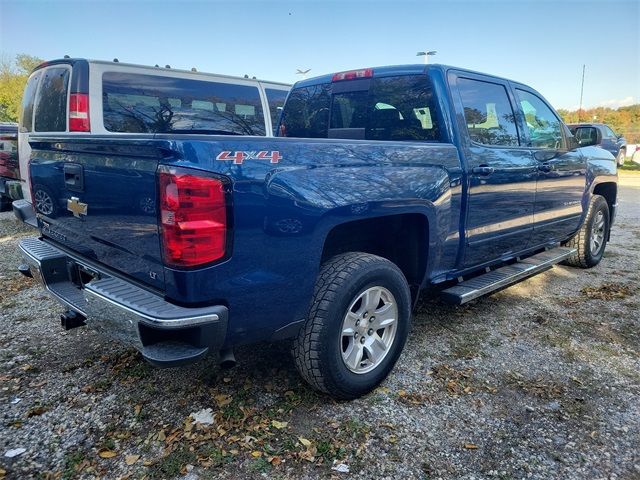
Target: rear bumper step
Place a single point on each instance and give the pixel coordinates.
(166, 334)
(505, 276)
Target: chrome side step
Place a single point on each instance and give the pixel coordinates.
(505, 276)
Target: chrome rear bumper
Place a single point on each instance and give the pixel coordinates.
(165, 333)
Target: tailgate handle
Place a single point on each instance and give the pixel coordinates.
(74, 177)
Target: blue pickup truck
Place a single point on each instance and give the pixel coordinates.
(382, 183)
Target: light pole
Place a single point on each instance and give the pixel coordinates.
(426, 55)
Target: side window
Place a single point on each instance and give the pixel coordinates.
(306, 114)
(28, 100)
(488, 113)
(51, 104)
(275, 99)
(609, 133)
(545, 129)
(138, 103)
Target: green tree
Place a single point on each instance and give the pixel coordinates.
(624, 120)
(13, 77)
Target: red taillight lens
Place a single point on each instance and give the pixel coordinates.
(353, 75)
(79, 113)
(193, 218)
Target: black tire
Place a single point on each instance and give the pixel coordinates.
(5, 203)
(622, 154)
(317, 350)
(584, 256)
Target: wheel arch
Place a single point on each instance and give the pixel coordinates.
(401, 238)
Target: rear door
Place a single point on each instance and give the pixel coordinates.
(561, 177)
(501, 172)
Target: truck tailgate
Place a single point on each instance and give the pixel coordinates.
(98, 199)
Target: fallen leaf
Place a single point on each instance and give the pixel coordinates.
(222, 399)
(470, 446)
(275, 461)
(137, 409)
(131, 459)
(106, 453)
(305, 442)
(162, 436)
(256, 454)
(279, 425)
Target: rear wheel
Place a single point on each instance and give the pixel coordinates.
(591, 240)
(357, 325)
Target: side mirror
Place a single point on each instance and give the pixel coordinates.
(588, 136)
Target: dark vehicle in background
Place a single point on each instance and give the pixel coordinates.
(9, 165)
(383, 182)
(115, 99)
(606, 138)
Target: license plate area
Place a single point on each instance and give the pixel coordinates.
(80, 274)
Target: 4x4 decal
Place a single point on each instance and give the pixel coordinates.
(240, 156)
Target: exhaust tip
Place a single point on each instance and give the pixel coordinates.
(227, 359)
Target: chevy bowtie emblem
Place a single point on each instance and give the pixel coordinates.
(75, 206)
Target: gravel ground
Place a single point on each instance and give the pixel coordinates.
(541, 380)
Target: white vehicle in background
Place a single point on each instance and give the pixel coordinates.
(90, 97)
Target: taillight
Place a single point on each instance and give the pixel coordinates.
(79, 112)
(353, 75)
(193, 217)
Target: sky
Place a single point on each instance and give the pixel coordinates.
(538, 42)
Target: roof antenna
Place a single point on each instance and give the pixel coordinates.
(157, 66)
(246, 76)
(193, 69)
(115, 60)
(167, 66)
(66, 56)
(253, 77)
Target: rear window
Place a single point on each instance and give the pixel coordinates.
(389, 108)
(136, 103)
(276, 99)
(51, 103)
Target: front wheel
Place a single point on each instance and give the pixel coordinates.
(620, 158)
(591, 240)
(357, 325)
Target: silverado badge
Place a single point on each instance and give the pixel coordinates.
(75, 206)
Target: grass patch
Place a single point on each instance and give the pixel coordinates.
(172, 464)
(630, 167)
(71, 462)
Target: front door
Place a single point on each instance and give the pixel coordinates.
(501, 172)
(561, 172)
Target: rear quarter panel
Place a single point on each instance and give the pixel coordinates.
(284, 211)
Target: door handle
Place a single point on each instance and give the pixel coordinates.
(544, 167)
(74, 177)
(482, 170)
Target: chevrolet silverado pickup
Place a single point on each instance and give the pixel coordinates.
(382, 183)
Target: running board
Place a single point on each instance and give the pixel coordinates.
(505, 276)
